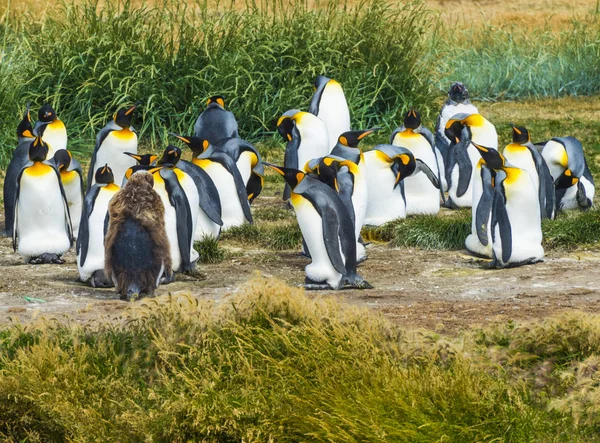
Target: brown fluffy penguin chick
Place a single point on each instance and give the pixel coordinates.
(137, 252)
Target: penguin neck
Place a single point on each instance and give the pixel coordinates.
(38, 168)
(515, 147)
(111, 187)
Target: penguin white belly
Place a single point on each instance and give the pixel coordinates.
(191, 193)
(569, 199)
(359, 202)
(333, 110)
(312, 146)
(320, 269)
(465, 200)
(385, 203)
(472, 242)
(72, 187)
(244, 164)
(590, 190)
(522, 159)
(170, 226)
(94, 260)
(55, 135)
(42, 220)
(112, 151)
(232, 213)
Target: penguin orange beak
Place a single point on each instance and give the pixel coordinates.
(134, 156)
(274, 168)
(130, 110)
(180, 137)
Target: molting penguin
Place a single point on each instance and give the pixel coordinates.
(215, 123)
(523, 154)
(72, 181)
(386, 168)
(42, 226)
(306, 137)
(327, 230)
(572, 177)
(94, 224)
(19, 159)
(421, 196)
(52, 130)
(116, 138)
(136, 244)
(516, 221)
(329, 104)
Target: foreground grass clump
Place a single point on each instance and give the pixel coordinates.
(209, 250)
(269, 364)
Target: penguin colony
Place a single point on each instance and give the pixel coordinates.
(136, 224)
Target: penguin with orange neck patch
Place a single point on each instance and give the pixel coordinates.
(72, 181)
(51, 129)
(216, 123)
(42, 225)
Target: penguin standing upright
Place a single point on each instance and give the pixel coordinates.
(136, 245)
(516, 221)
(19, 159)
(42, 226)
(94, 223)
(422, 197)
(523, 154)
(327, 230)
(72, 181)
(117, 137)
(572, 177)
(329, 104)
(52, 130)
(215, 123)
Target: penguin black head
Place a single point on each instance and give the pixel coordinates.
(137, 168)
(47, 114)
(403, 166)
(216, 101)
(292, 176)
(124, 115)
(520, 134)
(144, 160)
(170, 156)
(24, 129)
(458, 92)
(285, 127)
(62, 159)
(104, 175)
(351, 139)
(196, 144)
(491, 157)
(38, 150)
(412, 119)
(566, 180)
(454, 131)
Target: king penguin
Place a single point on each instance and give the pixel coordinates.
(516, 221)
(573, 180)
(215, 123)
(52, 130)
(479, 241)
(422, 197)
(327, 230)
(93, 226)
(42, 225)
(329, 104)
(72, 181)
(19, 159)
(117, 137)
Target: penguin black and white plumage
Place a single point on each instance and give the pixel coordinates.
(116, 138)
(479, 241)
(306, 137)
(216, 123)
(94, 223)
(52, 130)
(19, 159)
(329, 104)
(72, 181)
(463, 157)
(42, 225)
(523, 154)
(516, 221)
(573, 180)
(222, 169)
(327, 230)
(136, 245)
(422, 197)
(386, 168)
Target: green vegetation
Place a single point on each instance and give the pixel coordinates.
(209, 250)
(277, 236)
(270, 364)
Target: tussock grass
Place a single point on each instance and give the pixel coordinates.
(210, 251)
(269, 364)
(278, 236)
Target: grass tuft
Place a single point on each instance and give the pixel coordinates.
(209, 250)
(278, 236)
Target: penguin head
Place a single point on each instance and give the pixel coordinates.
(196, 144)
(104, 175)
(566, 180)
(134, 170)
(286, 124)
(412, 119)
(292, 176)
(24, 129)
(170, 157)
(38, 150)
(403, 165)
(454, 131)
(47, 114)
(492, 158)
(62, 159)
(351, 139)
(458, 92)
(124, 115)
(216, 101)
(144, 160)
(520, 134)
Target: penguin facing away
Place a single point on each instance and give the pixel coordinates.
(72, 181)
(136, 244)
(52, 130)
(329, 104)
(215, 123)
(327, 230)
(92, 229)
(42, 225)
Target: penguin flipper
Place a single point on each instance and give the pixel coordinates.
(184, 223)
(68, 223)
(465, 169)
(290, 160)
(207, 191)
(15, 233)
(484, 207)
(83, 238)
(500, 218)
(421, 166)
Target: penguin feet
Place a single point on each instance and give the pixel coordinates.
(356, 282)
(311, 285)
(47, 258)
(166, 279)
(99, 280)
(195, 274)
(449, 204)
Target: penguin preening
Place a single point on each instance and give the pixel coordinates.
(215, 123)
(42, 225)
(327, 230)
(72, 181)
(92, 229)
(116, 138)
(479, 241)
(329, 104)
(422, 197)
(52, 130)
(136, 245)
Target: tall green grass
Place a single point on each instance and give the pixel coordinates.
(268, 364)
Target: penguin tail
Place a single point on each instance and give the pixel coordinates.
(355, 281)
